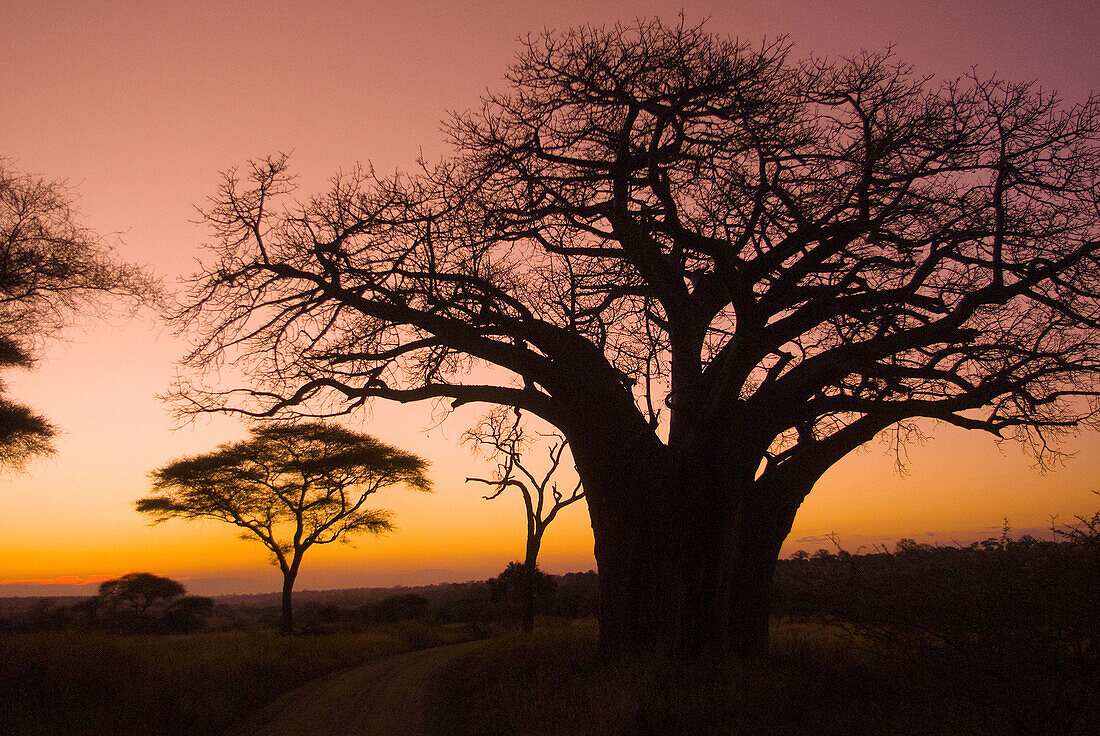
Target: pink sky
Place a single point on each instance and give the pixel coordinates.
(140, 105)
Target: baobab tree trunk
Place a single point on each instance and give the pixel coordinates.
(633, 548)
(685, 567)
(686, 540)
(761, 528)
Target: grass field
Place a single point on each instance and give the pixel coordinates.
(1000, 638)
(550, 684)
(80, 683)
(819, 680)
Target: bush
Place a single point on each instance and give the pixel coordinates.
(187, 615)
(1006, 629)
(549, 684)
(401, 607)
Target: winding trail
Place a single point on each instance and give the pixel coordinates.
(384, 697)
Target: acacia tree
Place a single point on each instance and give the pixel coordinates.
(130, 600)
(140, 591)
(716, 270)
(53, 272)
(291, 486)
(501, 435)
(23, 432)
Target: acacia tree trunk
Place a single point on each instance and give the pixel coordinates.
(286, 620)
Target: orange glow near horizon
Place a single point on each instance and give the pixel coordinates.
(65, 580)
(140, 106)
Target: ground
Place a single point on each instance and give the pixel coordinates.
(382, 698)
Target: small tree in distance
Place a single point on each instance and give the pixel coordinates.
(140, 590)
(132, 600)
(500, 435)
(291, 486)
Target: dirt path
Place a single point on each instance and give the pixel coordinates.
(384, 697)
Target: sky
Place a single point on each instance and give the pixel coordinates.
(140, 105)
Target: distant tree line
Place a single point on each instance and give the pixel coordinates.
(956, 599)
(476, 604)
(1005, 628)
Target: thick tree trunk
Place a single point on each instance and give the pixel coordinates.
(634, 556)
(686, 539)
(762, 529)
(686, 566)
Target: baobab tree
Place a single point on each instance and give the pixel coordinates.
(291, 486)
(501, 435)
(715, 269)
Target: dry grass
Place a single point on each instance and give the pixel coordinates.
(818, 681)
(94, 684)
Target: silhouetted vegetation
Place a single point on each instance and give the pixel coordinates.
(995, 638)
(53, 273)
(523, 589)
(187, 615)
(135, 601)
(1005, 629)
(72, 667)
(84, 684)
(290, 486)
(502, 436)
(715, 268)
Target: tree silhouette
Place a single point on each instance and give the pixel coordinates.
(53, 272)
(716, 270)
(140, 590)
(289, 485)
(188, 614)
(131, 599)
(500, 435)
(23, 433)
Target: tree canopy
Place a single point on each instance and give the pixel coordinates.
(23, 432)
(290, 486)
(140, 591)
(53, 273)
(716, 268)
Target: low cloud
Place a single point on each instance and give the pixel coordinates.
(63, 580)
(812, 539)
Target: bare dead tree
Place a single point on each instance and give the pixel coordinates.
(500, 435)
(715, 269)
